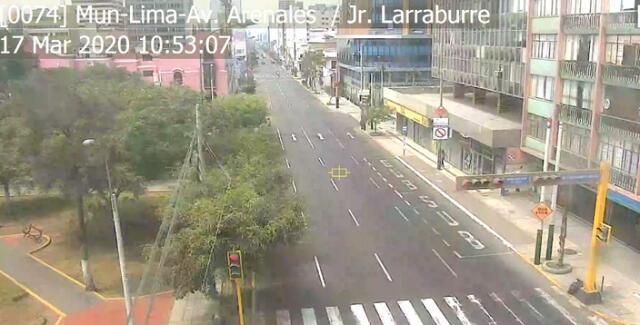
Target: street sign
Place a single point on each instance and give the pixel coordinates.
(441, 121)
(405, 129)
(441, 111)
(542, 211)
(440, 133)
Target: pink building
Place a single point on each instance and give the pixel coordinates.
(190, 70)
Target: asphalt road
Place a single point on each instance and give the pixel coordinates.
(383, 247)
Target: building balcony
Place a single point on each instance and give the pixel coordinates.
(582, 23)
(623, 180)
(619, 22)
(620, 128)
(623, 76)
(575, 116)
(579, 70)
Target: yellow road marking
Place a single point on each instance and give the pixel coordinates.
(42, 300)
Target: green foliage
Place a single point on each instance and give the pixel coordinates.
(379, 115)
(249, 86)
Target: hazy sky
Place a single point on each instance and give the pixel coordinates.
(248, 4)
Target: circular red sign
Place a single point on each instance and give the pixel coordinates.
(441, 132)
(441, 111)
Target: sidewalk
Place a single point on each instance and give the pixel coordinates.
(514, 221)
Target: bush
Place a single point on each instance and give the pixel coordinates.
(30, 206)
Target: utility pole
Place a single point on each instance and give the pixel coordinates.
(439, 161)
(554, 197)
(545, 163)
(201, 164)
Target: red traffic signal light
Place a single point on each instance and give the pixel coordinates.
(234, 260)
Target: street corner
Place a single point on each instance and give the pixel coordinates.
(113, 312)
(26, 243)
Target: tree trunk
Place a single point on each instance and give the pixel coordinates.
(84, 259)
(7, 199)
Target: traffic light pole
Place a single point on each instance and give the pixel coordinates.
(589, 294)
(239, 295)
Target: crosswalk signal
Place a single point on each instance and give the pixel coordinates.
(604, 233)
(234, 261)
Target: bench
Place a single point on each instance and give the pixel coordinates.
(32, 232)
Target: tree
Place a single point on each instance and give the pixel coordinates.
(13, 66)
(71, 106)
(378, 115)
(13, 164)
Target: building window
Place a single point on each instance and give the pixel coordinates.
(624, 159)
(544, 46)
(623, 50)
(544, 8)
(177, 77)
(581, 48)
(537, 127)
(147, 73)
(583, 6)
(542, 87)
(577, 94)
(575, 140)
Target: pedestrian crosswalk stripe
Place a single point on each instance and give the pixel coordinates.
(409, 312)
(360, 315)
(309, 316)
(477, 301)
(333, 313)
(556, 305)
(500, 301)
(435, 312)
(457, 308)
(384, 313)
(283, 318)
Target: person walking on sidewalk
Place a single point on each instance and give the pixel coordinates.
(441, 159)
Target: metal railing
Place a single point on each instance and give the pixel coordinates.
(622, 75)
(578, 69)
(624, 19)
(582, 23)
(620, 128)
(623, 180)
(576, 116)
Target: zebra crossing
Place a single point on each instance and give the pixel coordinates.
(513, 307)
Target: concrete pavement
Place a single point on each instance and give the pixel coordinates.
(384, 245)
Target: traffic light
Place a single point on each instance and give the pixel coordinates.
(549, 179)
(234, 261)
(604, 233)
(482, 182)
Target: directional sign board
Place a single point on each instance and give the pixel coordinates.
(441, 121)
(542, 211)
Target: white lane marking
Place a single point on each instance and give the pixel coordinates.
(283, 318)
(497, 299)
(447, 218)
(445, 263)
(457, 254)
(477, 301)
(425, 221)
(374, 168)
(340, 143)
(321, 161)
(409, 185)
(385, 163)
(460, 206)
(384, 313)
(280, 138)
(324, 285)
(396, 173)
(309, 316)
(307, 136)
(446, 242)
(597, 320)
(457, 308)
(374, 182)
(384, 269)
(354, 218)
(355, 160)
(398, 194)
(402, 214)
(333, 313)
(407, 202)
(435, 231)
(430, 203)
(293, 183)
(365, 159)
(488, 255)
(350, 135)
(556, 305)
(360, 315)
(293, 137)
(435, 312)
(416, 211)
(384, 179)
(379, 174)
(409, 312)
(287, 161)
(390, 185)
(320, 136)
(476, 244)
(334, 185)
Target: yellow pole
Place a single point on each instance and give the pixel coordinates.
(598, 219)
(253, 293)
(240, 307)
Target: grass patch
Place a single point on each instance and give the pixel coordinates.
(31, 207)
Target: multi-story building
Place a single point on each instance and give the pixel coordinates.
(373, 55)
(165, 31)
(584, 72)
(220, 10)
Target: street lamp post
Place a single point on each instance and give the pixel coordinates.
(119, 241)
